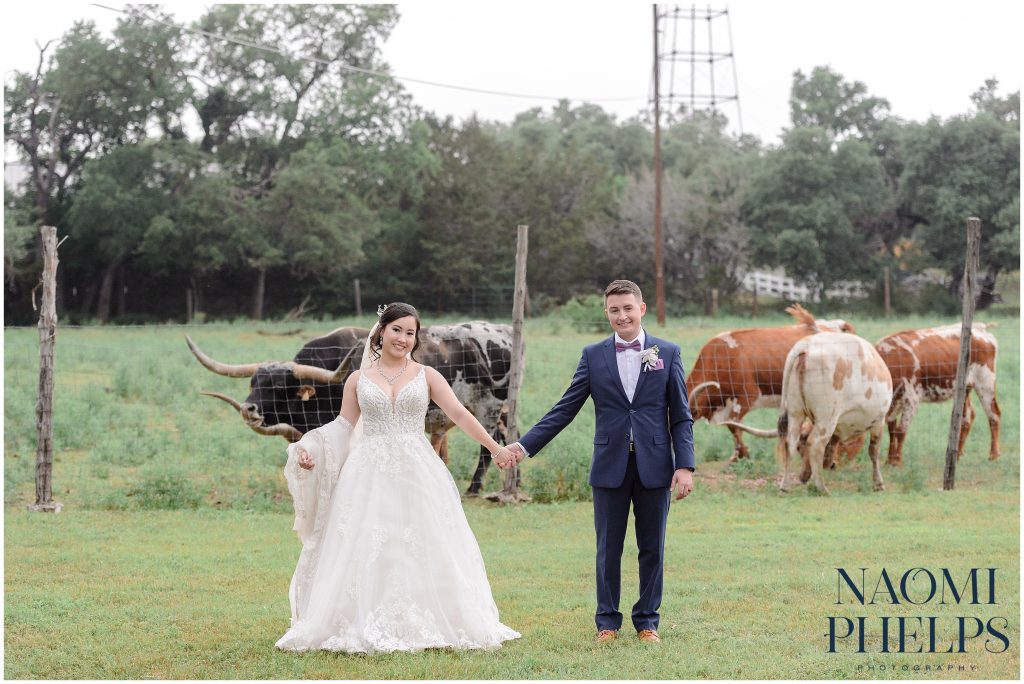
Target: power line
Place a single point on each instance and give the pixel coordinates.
(368, 72)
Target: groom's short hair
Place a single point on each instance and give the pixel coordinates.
(623, 287)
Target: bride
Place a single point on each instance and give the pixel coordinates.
(388, 560)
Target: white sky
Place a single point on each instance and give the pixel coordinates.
(925, 57)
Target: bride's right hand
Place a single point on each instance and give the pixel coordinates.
(305, 460)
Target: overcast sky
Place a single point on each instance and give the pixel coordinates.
(926, 58)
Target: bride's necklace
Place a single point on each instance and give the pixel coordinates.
(391, 380)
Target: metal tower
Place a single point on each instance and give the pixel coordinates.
(706, 77)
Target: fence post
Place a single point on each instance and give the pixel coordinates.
(510, 492)
(359, 299)
(44, 403)
(960, 388)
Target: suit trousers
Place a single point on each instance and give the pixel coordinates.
(611, 514)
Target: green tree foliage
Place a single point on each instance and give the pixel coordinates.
(810, 200)
(705, 237)
(824, 99)
(305, 173)
(967, 166)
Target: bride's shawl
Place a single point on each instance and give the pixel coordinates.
(311, 492)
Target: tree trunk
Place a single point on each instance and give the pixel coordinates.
(197, 297)
(122, 291)
(258, 292)
(106, 290)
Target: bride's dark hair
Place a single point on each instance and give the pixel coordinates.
(392, 312)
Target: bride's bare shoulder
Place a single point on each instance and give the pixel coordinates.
(354, 378)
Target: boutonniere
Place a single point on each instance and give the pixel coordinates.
(649, 357)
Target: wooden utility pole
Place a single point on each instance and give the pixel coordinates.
(659, 271)
(44, 403)
(510, 492)
(960, 387)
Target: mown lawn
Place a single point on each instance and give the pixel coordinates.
(749, 583)
(173, 554)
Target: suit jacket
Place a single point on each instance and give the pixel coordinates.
(659, 417)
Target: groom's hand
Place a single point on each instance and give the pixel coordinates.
(517, 452)
(682, 483)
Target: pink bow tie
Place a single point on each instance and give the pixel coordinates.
(620, 347)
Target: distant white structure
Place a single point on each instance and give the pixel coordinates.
(776, 283)
(14, 173)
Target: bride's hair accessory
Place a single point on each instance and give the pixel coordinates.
(381, 309)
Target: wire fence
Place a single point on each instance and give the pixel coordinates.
(133, 431)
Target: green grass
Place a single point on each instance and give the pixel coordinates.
(173, 554)
(749, 585)
(128, 414)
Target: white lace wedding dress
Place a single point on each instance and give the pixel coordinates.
(389, 562)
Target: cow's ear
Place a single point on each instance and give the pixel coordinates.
(306, 391)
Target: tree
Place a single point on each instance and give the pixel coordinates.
(704, 234)
(310, 220)
(826, 100)
(88, 97)
(808, 201)
(966, 166)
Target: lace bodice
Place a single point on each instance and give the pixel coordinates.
(381, 417)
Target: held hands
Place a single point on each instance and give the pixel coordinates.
(305, 460)
(503, 457)
(682, 483)
(514, 456)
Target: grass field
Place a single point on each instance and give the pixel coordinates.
(173, 555)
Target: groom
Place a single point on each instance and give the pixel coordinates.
(643, 451)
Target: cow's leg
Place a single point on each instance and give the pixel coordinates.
(739, 449)
(483, 464)
(874, 450)
(987, 396)
(965, 425)
(816, 443)
(787, 447)
(439, 441)
(911, 402)
(805, 432)
(892, 420)
(831, 460)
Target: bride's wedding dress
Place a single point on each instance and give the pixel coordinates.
(389, 562)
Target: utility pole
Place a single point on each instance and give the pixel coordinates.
(659, 265)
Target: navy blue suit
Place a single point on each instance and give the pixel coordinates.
(662, 428)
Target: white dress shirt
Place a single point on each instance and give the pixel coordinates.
(628, 362)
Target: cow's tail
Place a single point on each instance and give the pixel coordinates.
(803, 317)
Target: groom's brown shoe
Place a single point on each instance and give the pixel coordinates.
(649, 635)
(606, 636)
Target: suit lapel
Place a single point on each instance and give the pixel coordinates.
(608, 351)
(649, 342)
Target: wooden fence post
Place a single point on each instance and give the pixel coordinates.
(510, 492)
(960, 387)
(359, 299)
(44, 403)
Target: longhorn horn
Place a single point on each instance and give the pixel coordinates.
(245, 370)
(223, 397)
(283, 429)
(305, 372)
(752, 430)
(697, 390)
